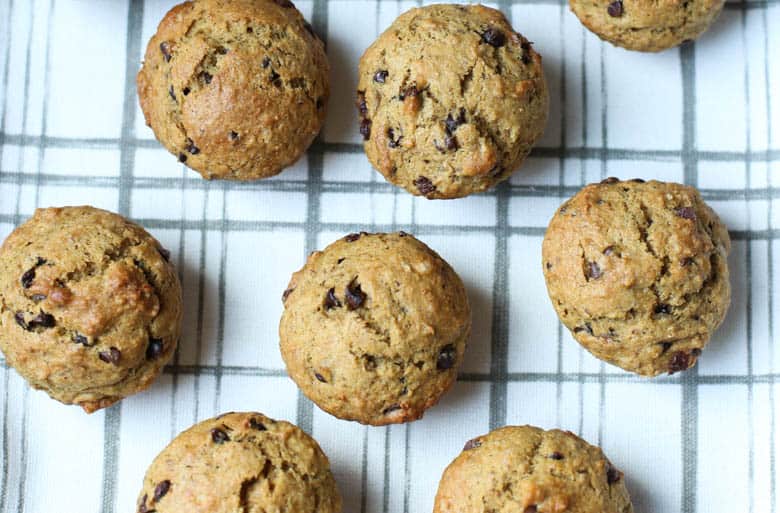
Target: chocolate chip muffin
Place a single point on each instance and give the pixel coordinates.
(638, 272)
(374, 328)
(451, 99)
(646, 25)
(528, 470)
(235, 88)
(240, 462)
(90, 306)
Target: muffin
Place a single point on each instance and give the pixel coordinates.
(91, 306)
(638, 272)
(240, 462)
(526, 469)
(374, 328)
(646, 25)
(451, 99)
(236, 89)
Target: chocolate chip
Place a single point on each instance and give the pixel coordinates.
(494, 37)
(380, 76)
(182, 158)
(662, 308)
(331, 301)
(684, 262)
(638, 180)
(593, 271)
(165, 48)
(615, 9)
(320, 377)
(530, 509)
(249, 30)
(78, 338)
(320, 103)
(679, 362)
(369, 363)
(297, 82)
(164, 253)
(29, 275)
(38, 297)
(286, 294)
(609, 250)
(391, 409)
(142, 506)
(206, 76)
(472, 444)
(194, 150)
(451, 143)
(548, 265)
(161, 489)
(446, 358)
(424, 185)
(526, 57)
(233, 135)
(256, 424)
(354, 295)
(218, 436)
(154, 349)
(266, 62)
(696, 352)
(555, 456)
(586, 328)
(665, 347)
(402, 233)
(275, 78)
(185, 91)
(365, 129)
(352, 237)
(452, 123)
(392, 140)
(610, 180)
(284, 3)
(19, 318)
(686, 213)
(42, 320)
(170, 92)
(410, 91)
(111, 356)
(613, 474)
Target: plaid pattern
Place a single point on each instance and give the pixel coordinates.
(703, 441)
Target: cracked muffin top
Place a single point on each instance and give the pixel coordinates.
(451, 99)
(374, 328)
(237, 89)
(647, 25)
(638, 272)
(90, 306)
(525, 469)
(240, 462)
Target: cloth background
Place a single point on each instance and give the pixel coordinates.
(707, 114)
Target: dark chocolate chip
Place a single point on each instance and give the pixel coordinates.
(494, 37)
(369, 362)
(361, 104)
(662, 308)
(472, 444)
(392, 140)
(365, 129)
(391, 409)
(142, 506)
(19, 318)
(164, 253)
(609, 250)
(256, 424)
(331, 301)
(451, 143)
(165, 48)
(696, 352)
(42, 320)
(679, 362)
(38, 297)
(424, 185)
(232, 135)
(171, 93)
(78, 338)
(111, 356)
(222, 50)
(613, 474)
(586, 328)
(354, 295)
(218, 436)
(555, 456)
(320, 103)
(185, 91)
(275, 78)
(161, 489)
(665, 347)
(548, 265)
(286, 294)
(206, 76)
(380, 76)
(352, 237)
(615, 9)
(284, 3)
(29, 276)
(266, 62)
(154, 349)
(194, 150)
(182, 158)
(610, 180)
(249, 30)
(593, 271)
(686, 261)
(526, 57)
(402, 233)
(320, 377)
(452, 123)
(297, 82)
(446, 358)
(638, 180)
(411, 91)
(686, 213)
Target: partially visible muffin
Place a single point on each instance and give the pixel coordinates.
(451, 99)
(240, 462)
(525, 469)
(638, 272)
(647, 25)
(91, 306)
(375, 327)
(237, 89)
